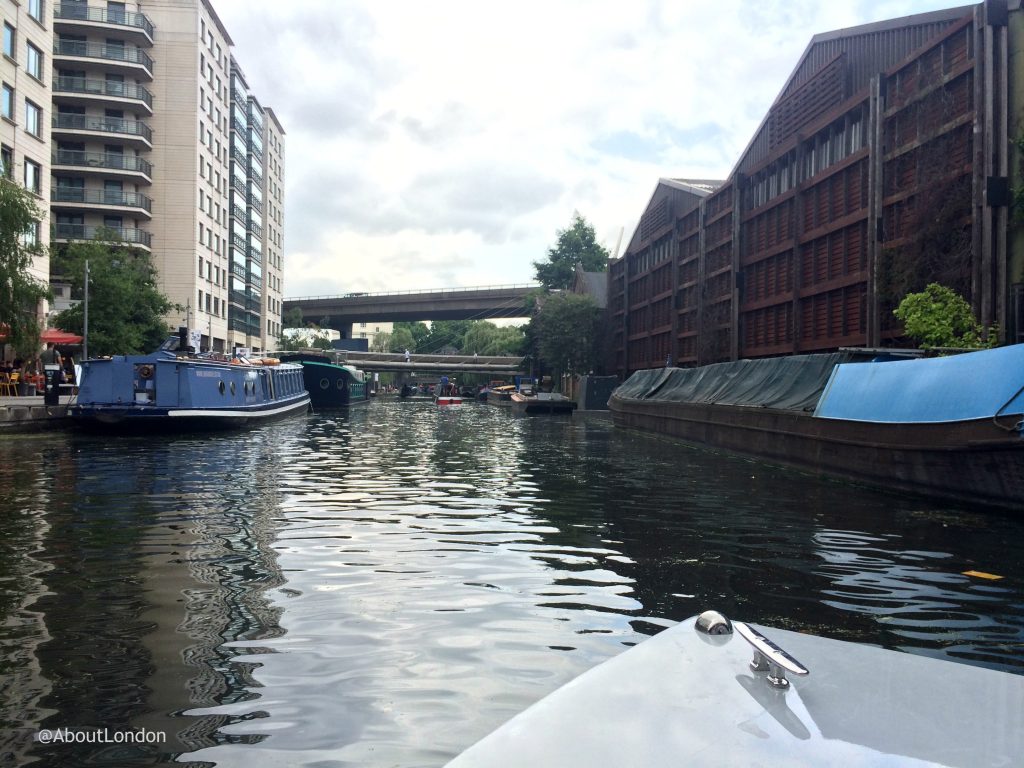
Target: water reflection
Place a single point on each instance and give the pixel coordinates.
(383, 587)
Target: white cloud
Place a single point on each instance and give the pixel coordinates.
(434, 145)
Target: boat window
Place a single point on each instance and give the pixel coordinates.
(220, 386)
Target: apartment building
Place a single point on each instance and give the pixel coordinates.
(25, 110)
(147, 143)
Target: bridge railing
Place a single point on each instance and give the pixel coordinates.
(415, 291)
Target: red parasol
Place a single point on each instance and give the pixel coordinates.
(57, 336)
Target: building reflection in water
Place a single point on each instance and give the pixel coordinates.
(149, 555)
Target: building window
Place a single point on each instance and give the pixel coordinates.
(31, 236)
(33, 177)
(35, 10)
(8, 41)
(33, 119)
(34, 61)
(8, 102)
(6, 161)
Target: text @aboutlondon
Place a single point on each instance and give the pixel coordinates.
(99, 736)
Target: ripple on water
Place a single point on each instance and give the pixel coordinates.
(385, 586)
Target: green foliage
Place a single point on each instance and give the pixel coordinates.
(126, 308)
(487, 339)
(20, 293)
(444, 335)
(940, 317)
(576, 245)
(409, 336)
(568, 332)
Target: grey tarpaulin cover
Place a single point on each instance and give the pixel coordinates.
(788, 383)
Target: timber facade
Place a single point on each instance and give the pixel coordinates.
(883, 165)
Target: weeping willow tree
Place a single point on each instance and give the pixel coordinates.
(20, 292)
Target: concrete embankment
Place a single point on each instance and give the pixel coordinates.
(29, 414)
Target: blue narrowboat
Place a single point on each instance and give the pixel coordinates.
(175, 389)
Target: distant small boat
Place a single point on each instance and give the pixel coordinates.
(447, 393)
(330, 384)
(501, 396)
(541, 403)
(172, 389)
(710, 691)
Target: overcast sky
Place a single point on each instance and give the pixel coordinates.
(444, 144)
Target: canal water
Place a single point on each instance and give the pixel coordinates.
(383, 587)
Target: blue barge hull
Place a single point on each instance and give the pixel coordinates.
(170, 391)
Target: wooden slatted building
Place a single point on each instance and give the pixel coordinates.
(882, 165)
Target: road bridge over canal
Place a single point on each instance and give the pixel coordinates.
(481, 303)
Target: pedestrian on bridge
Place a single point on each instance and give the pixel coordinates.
(407, 356)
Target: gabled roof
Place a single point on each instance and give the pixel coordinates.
(700, 187)
(594, 284)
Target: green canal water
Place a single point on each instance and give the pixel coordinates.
(384, 587)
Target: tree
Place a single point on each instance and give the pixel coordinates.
(401, 338)
(126, 307)
(409, 336)
(940, 317)
(568, 333)
(576, 245)
(487, 339)
(20, 293)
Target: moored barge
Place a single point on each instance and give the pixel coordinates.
(949, 426)
(173, 389)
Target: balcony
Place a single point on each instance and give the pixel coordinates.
(112, 58)
(130, 131)
(77, 198)
(128, 235)
(103, 164)
(76, 18)
(238, 212)
(81, 90)
(255, 203)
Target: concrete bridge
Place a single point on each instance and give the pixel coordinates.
(431, 364)
(481, 303)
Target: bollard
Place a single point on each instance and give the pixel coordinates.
(51, 393)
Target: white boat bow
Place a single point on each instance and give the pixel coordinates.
(685, 697)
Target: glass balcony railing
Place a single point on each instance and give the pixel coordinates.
(118, 53)
(117, 198)
(109, 88)
(129, 235)
(109, 160)
(81, 12)
(75, 122)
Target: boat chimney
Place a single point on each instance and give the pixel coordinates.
(183, 339)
